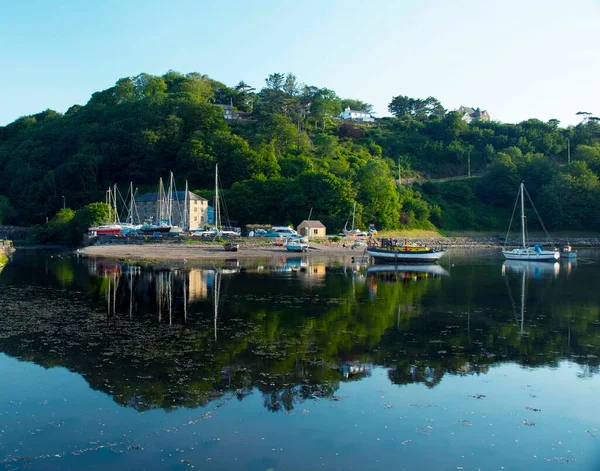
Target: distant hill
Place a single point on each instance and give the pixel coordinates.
(282, 152)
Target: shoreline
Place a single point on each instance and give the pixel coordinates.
(207, 251)
(178, 250)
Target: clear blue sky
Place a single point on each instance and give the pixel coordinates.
(517, 59)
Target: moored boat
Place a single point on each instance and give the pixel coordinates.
(525, 252)
(568, 252)
(397, 254)
(231, 246)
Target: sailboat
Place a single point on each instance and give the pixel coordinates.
(526, 253)
(218, 229)
(112, 226)
(162, 214)
(129, 225)
(352, 232)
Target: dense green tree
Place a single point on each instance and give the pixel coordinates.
(377, 193)
(90, 215)
(572, 199)
(419, 108)
(7, 212)
(357, 105)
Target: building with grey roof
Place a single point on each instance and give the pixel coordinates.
(189, 214)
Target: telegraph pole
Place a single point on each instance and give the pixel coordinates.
(469, 164)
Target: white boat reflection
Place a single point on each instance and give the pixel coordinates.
(528, 271)
(419, 271)
(531, 269)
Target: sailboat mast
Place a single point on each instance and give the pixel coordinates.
(523, 288)
(523, 213)
(109, 203)
(217, 215)
(115, 203)
(159, 213)
(170, 200)
(353, 215)
(185, 208)
(131, 203)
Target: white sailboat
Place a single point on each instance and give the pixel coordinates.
(525, 252)
(352, 232)
(218, 228)
(171, 199)
(112, 226)
(130, 224)
(163, 226)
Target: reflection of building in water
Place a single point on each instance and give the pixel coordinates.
(468, 369)
(314, 274)
(428, 375)
(103, 267)
(162, 291)
(197, 284)
(230, 267)
(354, 370)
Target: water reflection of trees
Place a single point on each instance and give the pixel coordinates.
(172, 338)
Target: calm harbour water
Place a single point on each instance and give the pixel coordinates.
(292, 363)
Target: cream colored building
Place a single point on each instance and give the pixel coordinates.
(311, 229)
(195, 214)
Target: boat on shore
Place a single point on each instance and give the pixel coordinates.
(525, 252)
(398, 254)
(353, 232)
(231, 246)
(296, 245)
(112, 226)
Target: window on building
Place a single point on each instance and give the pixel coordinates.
(315, 231)
(195, 218)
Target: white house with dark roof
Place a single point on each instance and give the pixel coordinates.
(196, 209)
(355, 115)
(469, 114)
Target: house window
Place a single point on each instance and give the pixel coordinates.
(315, 231)
(195, 210)
(195, 218)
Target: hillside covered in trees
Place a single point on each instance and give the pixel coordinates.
(289, 155)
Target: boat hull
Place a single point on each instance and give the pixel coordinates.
(296, 247)
(108, 230)
(398, 256)
(531, 255)
(152, 230)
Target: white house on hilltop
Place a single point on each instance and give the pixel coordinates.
(469, 114)
(356, 115)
